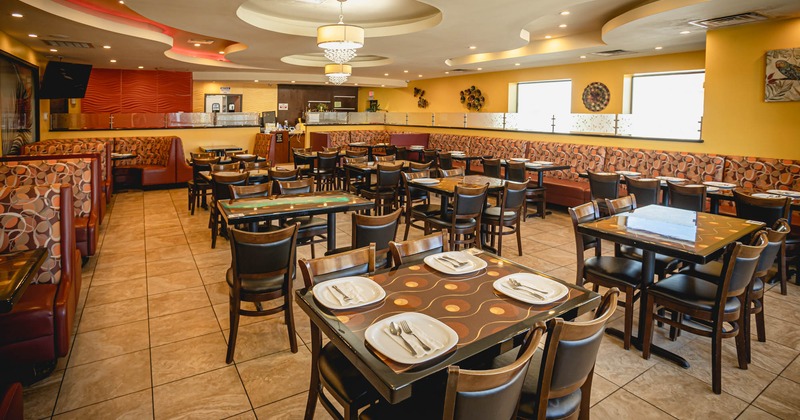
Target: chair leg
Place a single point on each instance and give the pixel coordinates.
(628, 318)
(648, 327)
(234, 319)
(214, 230)
(519, 237)
(716, 358)
(760, 327)
(313, 254)
(314, 386)
(782, 269)
(289, 319)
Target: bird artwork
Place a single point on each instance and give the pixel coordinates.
(788, 69)
(782, 83)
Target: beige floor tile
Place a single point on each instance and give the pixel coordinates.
(291, 408)
(620, 405)
(267, 336)
(177, 251)
(118, 273)
(275, 377)
(169, 266)
(201, 236)
(218, 292)
(109, 293)
(178, 301)
(601, 388)
(109, 342)
(782, 332)
(157, 284)
(222, 310)
(780, 399)
(214, 274)
(769, 355)
(793, 371)
(136, 406)
(247, 415)
(183, 325)
(683, 396)
(104, 380)
(188, 358)
(112, 259)
(216, 394)
(558, 257)
(111, 314)
(755, 413)
(115, 246)
(39, 399)
(221, 256)
(618, 365)
(535, 263)
(568, 274)
(174, 229)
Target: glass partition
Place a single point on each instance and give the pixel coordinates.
(145, 120)
(486, 120)
(419, 118)
(444, 119)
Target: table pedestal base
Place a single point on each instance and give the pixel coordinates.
(654, 349)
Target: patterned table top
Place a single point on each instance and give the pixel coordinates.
(247, 209)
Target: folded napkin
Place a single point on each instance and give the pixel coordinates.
(349, 289)
(421, 352)
(446, 262)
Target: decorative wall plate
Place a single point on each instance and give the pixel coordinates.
(596, 96)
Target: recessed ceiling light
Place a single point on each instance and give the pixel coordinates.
(113, 61)
(516, 64)
(196, 45)
(685, 32)
(141, 67)
(107, 46)
(355, 84)
(419, 75)
(53, 50)
(583, 56)
(121, 2)
(563, 25)
(447, 72)
(256, 80)
(16, 15)
(383, 85)
(480, 68)
(472, 47)
(222, 52)
(405, 71)
(658, 48)
(564, 13)
(385, 74)
(33, 35)
(547, 36)
(292, 81)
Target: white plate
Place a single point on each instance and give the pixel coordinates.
(723, 185)
(519, 159)
(416, 147)
(647, 179)
(670, 178)
(377, 337)
(605, 173)
(787, 193)
(245, 155)
(456, 152)
(359, 143)
(712, 189)
(552, 289)
(629, 173)
(370, 291)
(474, 265)
(542, 162)
(765, 195)
(425, 181)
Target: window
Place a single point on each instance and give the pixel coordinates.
(667, 105)
(537, 102)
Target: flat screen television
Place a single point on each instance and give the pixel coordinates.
(65, 80)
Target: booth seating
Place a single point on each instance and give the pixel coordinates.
(341, 139)
(38, 328)
(161, 159)
(11, 401)
(82, 172)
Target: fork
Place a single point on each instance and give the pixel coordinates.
(407, 329)
(515, 282)
(454, 261)
(450, 263)
(345, 296)
(521, 289)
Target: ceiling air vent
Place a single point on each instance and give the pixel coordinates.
(612, 53)
(731, 20)
(201, 41)
(461, 70)
(67, 44)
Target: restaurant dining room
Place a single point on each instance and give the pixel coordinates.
(361, 209)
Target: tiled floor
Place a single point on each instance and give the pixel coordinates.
(153, 325)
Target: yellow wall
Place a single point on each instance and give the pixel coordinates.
(736, 118)
(256, 97)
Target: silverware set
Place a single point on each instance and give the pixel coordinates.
(404, 327)
(516, 285)
(451, 261)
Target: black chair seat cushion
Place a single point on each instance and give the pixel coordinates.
(426, 210)
(418, 194)
(343, 378)
(664, 263)
(493, 213)
(461, 224)
(260, 285)
(692, 291)
(310, 226)
(615, 269)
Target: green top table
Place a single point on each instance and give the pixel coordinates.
(17, 270)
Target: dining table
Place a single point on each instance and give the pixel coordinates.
(257, 176)
(726, 194)
(467, 159)
(370, 147)
(17, 270)
(482, 317)
(365, 170)
(221, 149)
(445, 187)
(539, 168)
(654, 230)
(253, 210)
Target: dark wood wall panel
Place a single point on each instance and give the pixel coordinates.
(123, 91)
(297, 96)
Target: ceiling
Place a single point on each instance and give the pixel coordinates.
(275, 40)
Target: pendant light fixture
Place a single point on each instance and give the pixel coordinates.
(338, 73)
(340, 40)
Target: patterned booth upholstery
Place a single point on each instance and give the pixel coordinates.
(262, 145)
(369, 136)
(447, 142)
(320, 140)
(762, 173)
(39, 326)
(82, 172)
(697, 167)
(565, 187)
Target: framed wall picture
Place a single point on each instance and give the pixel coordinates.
(19, 104)
(782, 83)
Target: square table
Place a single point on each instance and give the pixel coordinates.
(253, 210)
(467, 159)
(483, 318)
(713, 233)
(446, 186)
(540, 169)
(726, 194)
(220, 150)
(365, 170)
(369, 147)
(17, 270)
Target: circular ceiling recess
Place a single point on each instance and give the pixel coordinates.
(319, 60)
(301, 17)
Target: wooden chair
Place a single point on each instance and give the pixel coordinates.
(508, 214)
(445, 160)
(464, 221)
(601, 270)
(220, 190)
(430, 155)
(355, 152)
(447, 173)
(415, 250)
(516, 171)
(262, 269)
(646, 191)
(198, 186)
(256, 164)
(225, 167)
(417, 202)
(352, 183)
(250, 191)
(419, 167)
(378, 230)
(335, 373)
(491, 167)
(385, 158)
(602, 186)
(277, 176)
(202, 155)
(325, 172)
(312, 229)
(384, 191)
(687, 197)
(709, 304)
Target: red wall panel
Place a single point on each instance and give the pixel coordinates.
(123, 91)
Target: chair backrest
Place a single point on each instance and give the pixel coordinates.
(202, 164)
(738, 267)
(300, 158)
(621, 205)
(350, 263)
(389, 175)
(570, 353)
(401, 152)
(429, 155)
(355, 159)
(415, 250)
(646, 191)
(378, 230)
(513, 197)
(387, 158)
(491, 167)
(224, 167)
(584, 213)
(336, 149)
(468, 202)
(238, 157)
(202, 155)
(603, 185)
(249, 191)
(256, 164)
(279, 175)
(515, 171)
(445, 160)
(419, 167)
(262, 256)
(355, 152)
(220, 184)
(300, 186)
(687, 197)
(776, 236)
(411, 190)
(327, 161)
(446, 173)
(492, 393)
(232, 153)
(767, 210)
